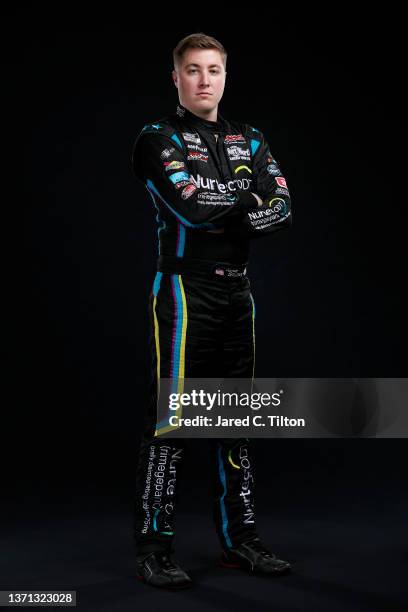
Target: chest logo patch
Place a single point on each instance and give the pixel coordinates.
(194, 138)
(234, 138)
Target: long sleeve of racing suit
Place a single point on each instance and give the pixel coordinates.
(163, 167)
(275, 213)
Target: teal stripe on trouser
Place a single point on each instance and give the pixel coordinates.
(222, 502)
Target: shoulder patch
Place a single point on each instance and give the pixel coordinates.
(151, 126)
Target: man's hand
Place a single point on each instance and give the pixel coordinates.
(221, 230)
(258, 199)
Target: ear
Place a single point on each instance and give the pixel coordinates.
(174, 75)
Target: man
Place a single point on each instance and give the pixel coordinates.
(215, 186)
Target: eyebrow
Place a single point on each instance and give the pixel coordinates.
(198, 65)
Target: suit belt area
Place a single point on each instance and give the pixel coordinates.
(175, 265)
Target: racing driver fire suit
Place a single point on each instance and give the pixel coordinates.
(201, 176)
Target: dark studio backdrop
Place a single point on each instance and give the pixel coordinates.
(328, 293)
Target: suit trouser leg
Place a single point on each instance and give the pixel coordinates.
(192, 323)
(160, 458)
(233, 474)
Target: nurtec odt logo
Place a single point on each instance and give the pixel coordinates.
(276, 206)
(232, 185)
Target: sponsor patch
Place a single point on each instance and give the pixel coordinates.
(195, 147)
(188, 191)
(191, 138)
(235, 153)
(181, 184)
(281, 181)
(179, 176)
(233, 138)
(273, 169)
(165, 154)
(195, 156)
(174, 165)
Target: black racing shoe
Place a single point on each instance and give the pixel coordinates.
(159, 570)
(255, 558)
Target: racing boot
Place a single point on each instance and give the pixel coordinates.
(158, 569)
(255, 558)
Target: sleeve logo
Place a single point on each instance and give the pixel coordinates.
(281, 181)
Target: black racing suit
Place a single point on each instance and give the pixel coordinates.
(200, 175)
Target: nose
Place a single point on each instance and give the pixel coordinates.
(205, 80)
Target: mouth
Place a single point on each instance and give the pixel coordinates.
(204, 94)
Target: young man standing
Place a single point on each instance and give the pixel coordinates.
(215, 186)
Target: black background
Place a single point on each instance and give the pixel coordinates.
(325, 88)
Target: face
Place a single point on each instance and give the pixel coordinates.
(200, 80)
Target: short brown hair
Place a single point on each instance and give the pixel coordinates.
(197, 41)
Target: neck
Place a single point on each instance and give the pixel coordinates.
(210, 115)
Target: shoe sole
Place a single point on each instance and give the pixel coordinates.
(169, 587)
(223, 563)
